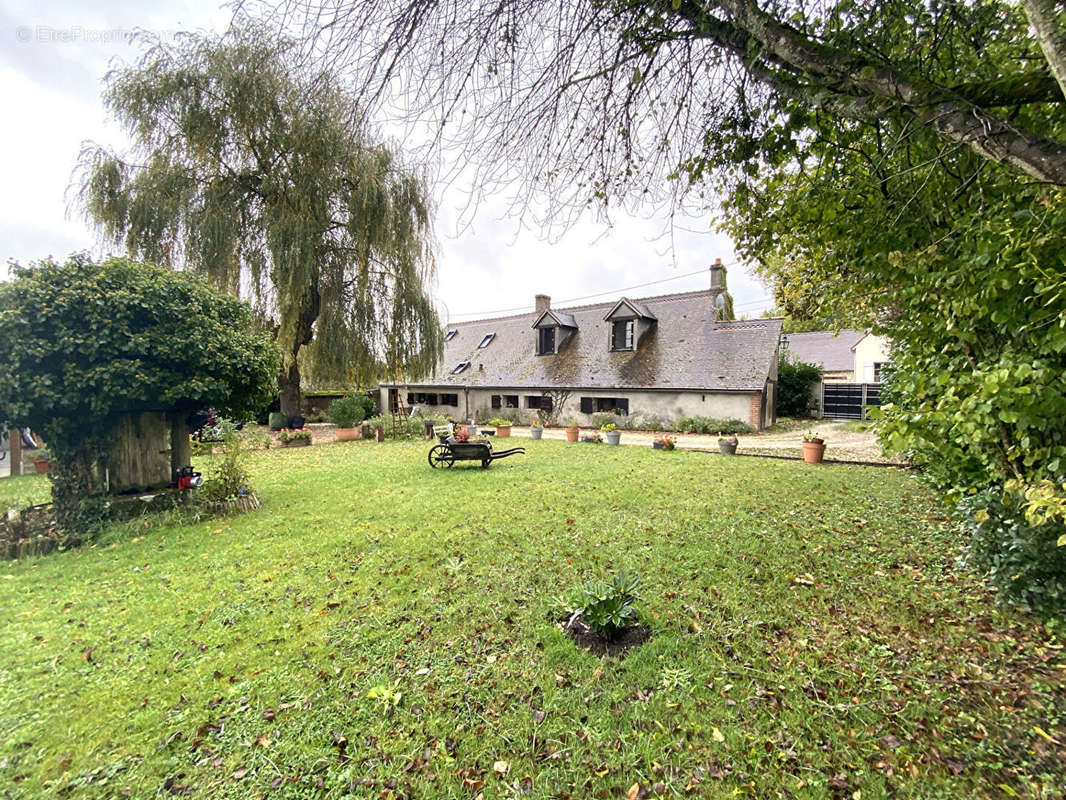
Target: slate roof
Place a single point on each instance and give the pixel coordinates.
(828, 349)
(685, 349)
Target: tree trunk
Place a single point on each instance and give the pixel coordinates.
(1045, 18)
(289, 390)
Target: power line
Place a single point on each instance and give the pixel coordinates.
(590, 296)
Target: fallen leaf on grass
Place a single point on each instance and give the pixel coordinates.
(717, 735)
(501, 768)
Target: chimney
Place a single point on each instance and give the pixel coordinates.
(721, 300)
(543, 303)
(718, 275)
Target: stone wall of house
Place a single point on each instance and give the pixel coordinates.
(662, 405)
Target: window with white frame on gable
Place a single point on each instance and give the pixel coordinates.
(622, 334)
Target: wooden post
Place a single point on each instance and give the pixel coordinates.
(15, 453)
(180, 447)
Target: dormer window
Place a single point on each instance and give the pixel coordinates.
(486, 341)
(545, 341)
(460, 367)
(622, 334)
(450, 335)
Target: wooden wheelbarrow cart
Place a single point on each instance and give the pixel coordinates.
(446, 453)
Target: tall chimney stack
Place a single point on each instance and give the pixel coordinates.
(718, 275)
(543, 303)
(721, 300)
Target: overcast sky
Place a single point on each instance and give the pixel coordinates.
(53, 56)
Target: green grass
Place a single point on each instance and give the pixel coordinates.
(381, 629)
(24, 490)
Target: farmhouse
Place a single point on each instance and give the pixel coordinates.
(657, 357)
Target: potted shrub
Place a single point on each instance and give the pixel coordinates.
(572, 429)
(610, 430)
(346, 413)
(503, 426)
(813, 448)
(727, 445)
(290, 438)
(543, 418)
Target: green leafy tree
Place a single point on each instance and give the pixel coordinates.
(83, 343)
(795, 386)
(262, 177)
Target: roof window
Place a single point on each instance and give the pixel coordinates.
(486, 340)
(460, 367)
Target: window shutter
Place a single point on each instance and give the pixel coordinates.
(586, 405)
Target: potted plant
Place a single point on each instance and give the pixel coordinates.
(290, 438)
(572, 429)
(610, 430)
(42, 462)
(543, 418)
(503, 426)
(727, 445)
(657, 442)
(813, 448)
(346, 413)
(592, 438)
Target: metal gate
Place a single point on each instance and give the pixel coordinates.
(849, 400)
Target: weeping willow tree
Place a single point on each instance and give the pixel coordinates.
(261, 176)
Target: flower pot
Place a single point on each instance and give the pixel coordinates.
(813, 452)
(503, 431)
(536, 433)
(572, 434)
(347, 434)
(656, 445)
(613, 437)
(296, 443)
(42, 465)
(727, 448)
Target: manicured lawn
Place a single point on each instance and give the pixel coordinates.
(380, 629)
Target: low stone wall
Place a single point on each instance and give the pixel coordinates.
(29, 533)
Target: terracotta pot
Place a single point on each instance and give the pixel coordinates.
(503, 431)
(813, 452)
(572, 434)
(347, 434)
(43, 466)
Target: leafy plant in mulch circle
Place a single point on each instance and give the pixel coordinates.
(606, 607)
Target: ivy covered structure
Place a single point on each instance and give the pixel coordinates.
(107, 361)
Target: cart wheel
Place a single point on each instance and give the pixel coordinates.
(441, 457)
(486, 463)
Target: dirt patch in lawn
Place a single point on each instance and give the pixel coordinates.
(584, 636)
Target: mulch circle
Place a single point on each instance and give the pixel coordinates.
(583, 636)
